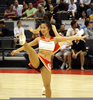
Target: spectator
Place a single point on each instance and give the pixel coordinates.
(84, 5)
(84, 26)
(62, 6)
(77, 49)
(4, 30)
(39, 13)
(84, 15)
(43, 3)
(69, 2)
(71, 31)
(64, 50)
(72, 8)
(55, 16)
(31, 11)
(51, 9)
(25, 7)
(62, 30)
(11, 13)
(16, 32)
(18, 8)
(37, 2)
(90, 10)
(47, 6)
(48, 16)
(88, 31)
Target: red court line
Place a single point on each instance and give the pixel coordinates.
(29, 71)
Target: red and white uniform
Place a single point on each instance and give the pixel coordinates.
(48, 46)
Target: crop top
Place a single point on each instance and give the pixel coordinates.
(48, 45)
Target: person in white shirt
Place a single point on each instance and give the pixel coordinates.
(18, 8)
(64, 50)
(72, 8)
(16, 32)
(69, 1)
(73, 30)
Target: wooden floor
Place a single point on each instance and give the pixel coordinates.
(28, 85)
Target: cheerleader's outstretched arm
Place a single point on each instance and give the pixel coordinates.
(70, 38)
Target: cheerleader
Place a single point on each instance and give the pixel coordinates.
(48, 44)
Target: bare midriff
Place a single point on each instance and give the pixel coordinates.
(45, 53)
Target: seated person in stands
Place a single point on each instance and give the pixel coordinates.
(16, 32)
(71, 31)
(55, 15)
(64, 50)
(18, 8)
(37, 2)
(84, 15)
(4, 30)
(62, 6)
(84, 26)
(47, 6)
(25, 7)
(88, 31)
(72, 8)
(34, 47)
(90, 10)
(51, 8)
(30, 12)
(11, 13)
(39, 13)
(62, 30)
(84, 5)
(77, 49)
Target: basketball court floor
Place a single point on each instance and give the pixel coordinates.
(27, 83)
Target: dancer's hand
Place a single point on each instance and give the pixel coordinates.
(30, 29)
(81, 37)
(14, 52)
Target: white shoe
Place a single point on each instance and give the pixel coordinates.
(80, 32)
(22, 38)
(62, 67)
(43, 92)
(66, 65)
